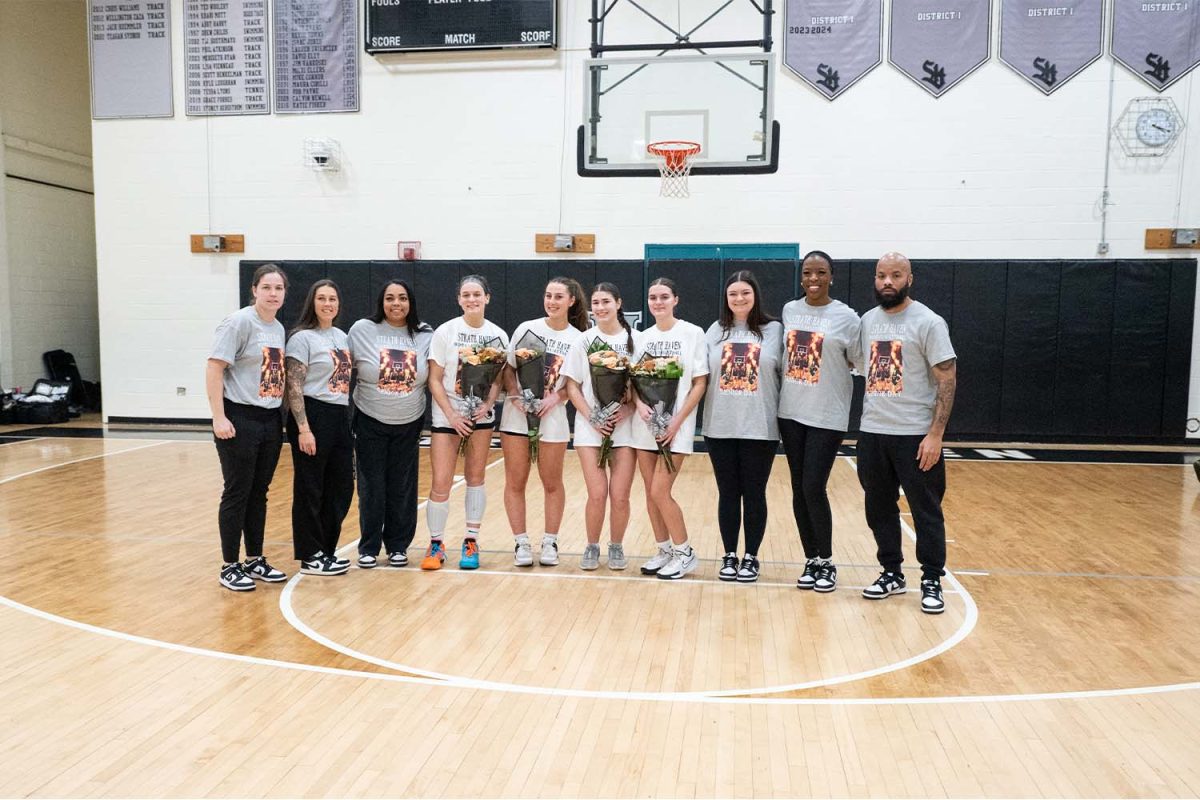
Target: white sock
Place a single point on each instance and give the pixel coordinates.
(521, 538)
(664, 546)
(684, 548)
(476, 504)
(550, 537)
(436, 514)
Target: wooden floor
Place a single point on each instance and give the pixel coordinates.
(1065, 665)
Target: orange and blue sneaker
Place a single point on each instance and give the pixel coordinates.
(435, 555)
(470, 555)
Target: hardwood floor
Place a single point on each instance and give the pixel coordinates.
(1065, 664)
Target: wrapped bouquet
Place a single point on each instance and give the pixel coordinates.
(610, 374)
(656, 381)
(530, 355)
(479, 366)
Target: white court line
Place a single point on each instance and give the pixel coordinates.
(20, 440)
(79, 460)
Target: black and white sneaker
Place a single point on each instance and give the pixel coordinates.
(809, 579)
(367, 562)
(748, 571)
(931, 596)
(340, 561)
(234, 578)
(887, 584)
(260, 570)
(321, 564)
(398, 559)
(826, 577)
(729, 567)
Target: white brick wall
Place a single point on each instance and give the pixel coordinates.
(467, 153)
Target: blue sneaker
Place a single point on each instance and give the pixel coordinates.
(470, 555)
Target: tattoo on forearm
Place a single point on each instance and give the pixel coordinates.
(946, 376)
(296, 373)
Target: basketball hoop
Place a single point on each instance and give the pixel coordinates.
(675, 164)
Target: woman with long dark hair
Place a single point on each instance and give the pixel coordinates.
(244, 382)
(455, 419)
(605, 487)
(318, 400)
(820, 342)
(679, 346)
(741, 425)
(391, 353)
(566, 317)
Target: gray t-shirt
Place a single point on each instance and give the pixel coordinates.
(819, 342)
(254, 350)
(898, 352)
(742, 400)
(327, 357)
(392, 369)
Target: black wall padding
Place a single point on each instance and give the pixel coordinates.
(933, 285)
(1085, 324)
(526, 282)
(1179, 346)
(976, 323)
(1139, 347)
(840, 289)
(699, 282)
(1030, 349)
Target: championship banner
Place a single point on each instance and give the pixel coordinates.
(1048, 42)
(937, 43)
(316, 56)
(830, 44)
(1158, 42)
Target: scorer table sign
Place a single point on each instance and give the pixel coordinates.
(403, 25)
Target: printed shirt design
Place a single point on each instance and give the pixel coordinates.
(739, 368)
(397, 371)
(339, 381)
(885, 370)
(270, 374)
(554, 365)
(804, 356)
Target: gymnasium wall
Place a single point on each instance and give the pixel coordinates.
(473, 154)
(47, 224)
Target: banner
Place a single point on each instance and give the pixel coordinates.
(130, 48)
(937, 43)
(226, 43)
(1048, 42)
(830, 44)
(1158, 42)
(316, 56)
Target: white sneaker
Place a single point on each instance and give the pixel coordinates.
(657, 561)
(616, 556)
(234, 578)
(549, 555)
(321, 564)
(679, 565)
(523, 554)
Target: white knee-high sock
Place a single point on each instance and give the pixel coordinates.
(436, 514)
(476, 504)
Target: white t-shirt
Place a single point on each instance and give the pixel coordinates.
(686, 341)
(578, 370)
(444, 351)
(554, 425)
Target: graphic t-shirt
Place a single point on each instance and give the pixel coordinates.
(254, 351)
(326, 354)
(554, 426)
(577, 369)
(393, 367)
(898, 352)
(444, 349)
(684, 341)
(819, 342)
(742, 400)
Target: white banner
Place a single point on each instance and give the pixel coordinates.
(130, 48)
(316, 56)
(226, 57)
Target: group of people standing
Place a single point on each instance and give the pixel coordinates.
(762, 381)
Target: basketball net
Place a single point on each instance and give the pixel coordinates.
(674, 165)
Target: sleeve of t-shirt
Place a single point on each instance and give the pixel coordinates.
(576, 364)
(699, 355)
(852, 331)
(230, 339)
(299, 348)
(443, 337)
(937, 342)
(354, 341)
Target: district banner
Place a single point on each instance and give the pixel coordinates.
(1158, 42)
(937, 43)
(830, 44)
(1048, 42)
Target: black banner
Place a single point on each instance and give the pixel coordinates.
(402, 25)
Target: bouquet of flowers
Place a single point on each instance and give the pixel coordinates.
(656, 380)
(610, 374)
(530, 355)
(479, 366)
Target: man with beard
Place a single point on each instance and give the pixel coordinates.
(903, 421)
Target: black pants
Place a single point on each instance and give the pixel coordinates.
(387, 483)
(322, 484)
(810, 454)
(742, 467)
(886, 463)
(247, 463)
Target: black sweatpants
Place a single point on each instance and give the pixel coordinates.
(810, 454)
(742, 468)
(247, 463)
(387, 483)
(886, 463)
(322, 484)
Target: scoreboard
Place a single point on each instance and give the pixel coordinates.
(397, 26)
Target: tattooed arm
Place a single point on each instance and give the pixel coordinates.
(297, 371)
(945, 375)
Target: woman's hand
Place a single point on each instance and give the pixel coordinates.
(462, 426)
(223, 428)
(484, 411)
(549, 402)
(672, 429)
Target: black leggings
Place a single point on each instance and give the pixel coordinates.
(322, 484)
(810, 454)
(742, 467)
(247, 463)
